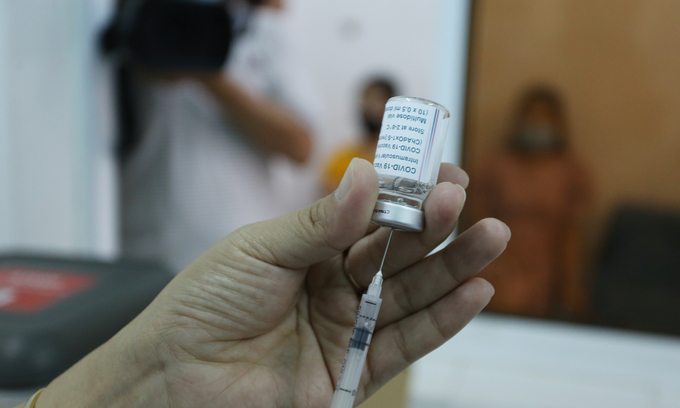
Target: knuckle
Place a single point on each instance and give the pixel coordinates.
(404, 298)
(401, 344)
(315, 226)
(317, 215)
(311, 221)
(436, 324)
(250, 241)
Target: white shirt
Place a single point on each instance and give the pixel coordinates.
(195, 177)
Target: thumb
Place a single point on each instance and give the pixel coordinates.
(321, 230)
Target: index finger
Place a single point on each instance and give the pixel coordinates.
(453, 174)
(442, 208)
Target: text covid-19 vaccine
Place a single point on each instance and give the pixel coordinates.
(407, 160)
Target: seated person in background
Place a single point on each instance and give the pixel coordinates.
(373, 100)
(538, 186)
(263, 318)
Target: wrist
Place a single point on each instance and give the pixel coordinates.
(126, 371)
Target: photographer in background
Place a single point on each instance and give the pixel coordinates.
(199, 163)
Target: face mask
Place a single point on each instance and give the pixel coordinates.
(370, 124)
(537, 137)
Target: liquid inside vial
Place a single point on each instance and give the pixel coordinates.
(404, 191)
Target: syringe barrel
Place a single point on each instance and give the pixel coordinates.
(353, 366)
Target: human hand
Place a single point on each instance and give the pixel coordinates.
(262, 120)
(263, 318)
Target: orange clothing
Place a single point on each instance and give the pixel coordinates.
(340, 160)
(541, 199)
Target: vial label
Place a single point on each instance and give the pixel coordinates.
(405, 146)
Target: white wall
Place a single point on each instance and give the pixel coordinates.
(421, 44)
(5, 203)
(56, 170)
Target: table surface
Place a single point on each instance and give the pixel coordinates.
(502, 361)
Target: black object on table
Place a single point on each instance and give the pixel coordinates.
(638, 281)
(54, 311)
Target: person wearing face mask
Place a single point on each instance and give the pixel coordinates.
(541, 189)
(374, 96)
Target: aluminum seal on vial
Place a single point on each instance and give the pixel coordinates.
(407, 160)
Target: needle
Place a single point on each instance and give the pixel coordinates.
(385, 255)
(362, 333)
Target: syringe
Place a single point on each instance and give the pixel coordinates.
(364, 325)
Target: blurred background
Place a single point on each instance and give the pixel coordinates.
(134, 134)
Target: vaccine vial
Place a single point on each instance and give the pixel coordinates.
(407, 160)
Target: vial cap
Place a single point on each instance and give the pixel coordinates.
(398, 216)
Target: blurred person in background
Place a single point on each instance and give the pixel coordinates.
(539, 187)
(374, 97)
(202, 164)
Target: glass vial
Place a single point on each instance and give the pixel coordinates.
(407, 160)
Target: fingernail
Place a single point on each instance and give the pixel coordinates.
(509, 231)
(464, 192)
(466, 181)
(346, 183)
